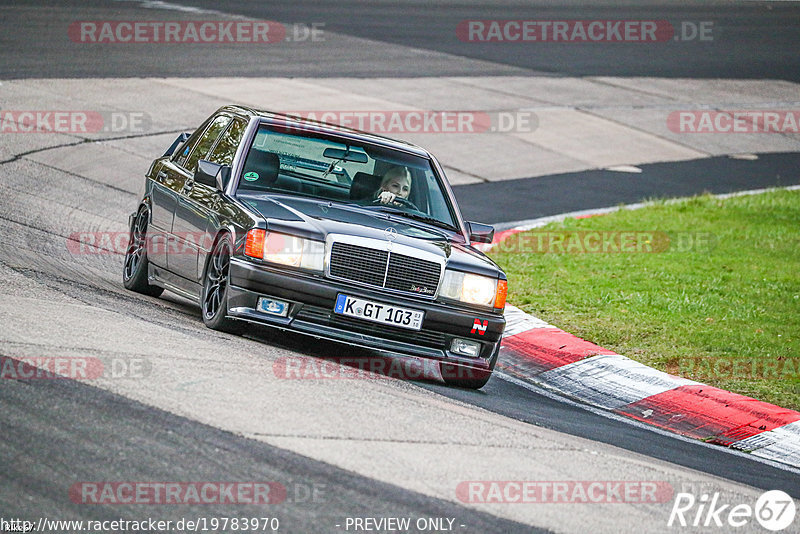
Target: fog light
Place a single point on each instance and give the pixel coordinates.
(465, 347)
(273, 306)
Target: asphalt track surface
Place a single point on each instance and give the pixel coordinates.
(157, 446)
(564, 193)
(58, 432)
(753, 40)
(748, 40)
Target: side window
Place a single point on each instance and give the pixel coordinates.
(226, 148)
(182, 153)
(206, 142)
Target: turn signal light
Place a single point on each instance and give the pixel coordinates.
(254, 246)
(500, 296)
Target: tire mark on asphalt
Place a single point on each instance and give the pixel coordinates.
(85, 140)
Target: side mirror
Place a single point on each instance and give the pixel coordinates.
(480, 233)
(212, 174)
(176, 143)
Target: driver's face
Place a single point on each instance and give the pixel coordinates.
(400, 186)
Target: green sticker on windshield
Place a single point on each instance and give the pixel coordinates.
(251, 176)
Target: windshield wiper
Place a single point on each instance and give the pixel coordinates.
(417, 216)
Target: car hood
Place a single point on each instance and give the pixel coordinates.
(315, 219)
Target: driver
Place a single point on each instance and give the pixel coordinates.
(396, 183)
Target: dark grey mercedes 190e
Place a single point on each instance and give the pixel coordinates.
(309, 227)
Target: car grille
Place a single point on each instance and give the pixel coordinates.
(381, 268)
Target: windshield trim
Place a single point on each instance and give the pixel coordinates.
(454, 223)
(451, 233)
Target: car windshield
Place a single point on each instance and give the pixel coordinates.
(286, 161)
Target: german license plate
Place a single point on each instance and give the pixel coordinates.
(379, 312)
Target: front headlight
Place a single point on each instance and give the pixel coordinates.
(285, 249)
(473, 289)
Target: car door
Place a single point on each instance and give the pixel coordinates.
(163, 199)
(168, 180)
(189, 223)
(210, 200)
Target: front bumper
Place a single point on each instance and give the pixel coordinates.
(312, 300)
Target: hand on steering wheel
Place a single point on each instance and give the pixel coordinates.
(387, 197)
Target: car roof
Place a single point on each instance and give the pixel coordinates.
(300, 123)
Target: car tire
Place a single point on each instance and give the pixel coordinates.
(135, 268)
(214, 294)
(468, 377)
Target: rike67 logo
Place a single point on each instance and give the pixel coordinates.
(774, 510)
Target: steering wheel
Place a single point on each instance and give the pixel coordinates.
(398, 200)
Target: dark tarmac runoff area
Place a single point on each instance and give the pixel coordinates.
(530, 198)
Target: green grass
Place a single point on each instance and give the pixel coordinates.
(708, 312)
